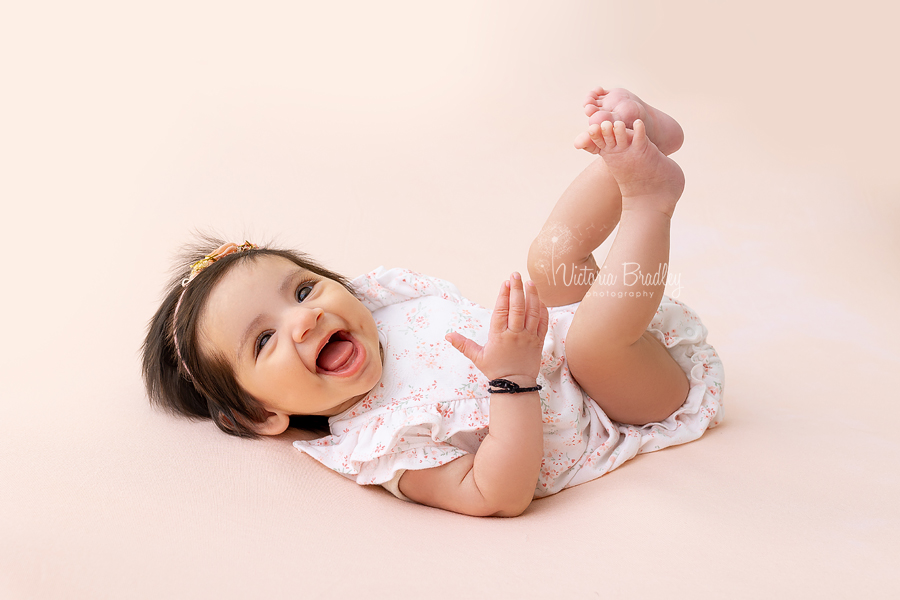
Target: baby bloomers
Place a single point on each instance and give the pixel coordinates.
(432, 405)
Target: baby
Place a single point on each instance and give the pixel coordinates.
(413, 387)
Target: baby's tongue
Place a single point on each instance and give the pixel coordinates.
(334, 355)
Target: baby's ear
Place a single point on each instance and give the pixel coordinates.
(275, 424)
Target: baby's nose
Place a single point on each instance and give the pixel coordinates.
(304, 320)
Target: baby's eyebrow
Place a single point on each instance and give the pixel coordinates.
(254, 324)
(242, 346)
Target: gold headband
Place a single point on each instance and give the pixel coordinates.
(220, 252)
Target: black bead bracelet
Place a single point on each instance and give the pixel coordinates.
(508, 387)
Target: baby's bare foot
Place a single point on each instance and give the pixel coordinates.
(647, 178)
(621, 105)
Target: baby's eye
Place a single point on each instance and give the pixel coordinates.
(304, 290)
(261, 341)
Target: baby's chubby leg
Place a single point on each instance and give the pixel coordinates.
(624, 369)
(560, 260)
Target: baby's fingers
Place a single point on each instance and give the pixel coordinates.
(516, 304)
(544, 323)
(501, 309)
(470, 349)
(534, 308)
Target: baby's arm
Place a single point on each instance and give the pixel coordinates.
(498, 480)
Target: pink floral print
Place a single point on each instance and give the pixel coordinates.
(432, 406)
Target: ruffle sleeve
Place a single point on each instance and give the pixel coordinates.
(383, 287)
(374, 448)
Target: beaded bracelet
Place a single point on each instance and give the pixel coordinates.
(508, 387)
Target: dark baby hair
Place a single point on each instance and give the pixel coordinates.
(207, 388)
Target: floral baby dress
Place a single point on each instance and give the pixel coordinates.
(432, 405)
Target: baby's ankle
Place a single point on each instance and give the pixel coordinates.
(648, 207)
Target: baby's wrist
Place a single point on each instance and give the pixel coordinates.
(523, 381)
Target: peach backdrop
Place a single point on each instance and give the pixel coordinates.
(437, 136)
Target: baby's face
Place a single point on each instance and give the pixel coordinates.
(299, 343)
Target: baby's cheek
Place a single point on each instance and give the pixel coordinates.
(376, 374)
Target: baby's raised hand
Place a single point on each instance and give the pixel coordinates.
(518, 326)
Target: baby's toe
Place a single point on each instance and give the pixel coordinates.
(597, 93)
(595, 132)
(608, 137)
(584, 142)
(621, 134)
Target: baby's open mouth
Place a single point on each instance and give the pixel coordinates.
(337, 354)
